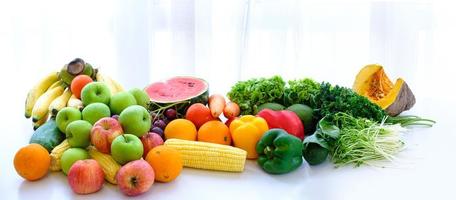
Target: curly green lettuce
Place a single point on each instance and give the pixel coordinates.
(254, 92)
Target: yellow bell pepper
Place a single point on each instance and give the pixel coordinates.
(246, 132)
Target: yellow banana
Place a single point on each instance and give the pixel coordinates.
(108, 82)
(43, 120)
(38, 90)
(118, 86)
(60, 102)
(41, 107)
(99, 77)
(54, 85)
(75, 102)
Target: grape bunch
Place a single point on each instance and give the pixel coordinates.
(161, 119)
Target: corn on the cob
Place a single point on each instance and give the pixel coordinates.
(56, 154)
(204, 155)
(108, 164)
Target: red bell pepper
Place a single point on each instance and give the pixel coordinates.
(284, 119)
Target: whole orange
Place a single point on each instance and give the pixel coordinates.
(181, 129)
(199, 114)
(166, 162)
(32, 162)
(78, 83)
(214, 132)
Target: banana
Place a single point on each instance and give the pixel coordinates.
(60, 102)
(43, 120)
(99, 77)
(118, 86)
(38, 90)
(75, 102)
(41, 107)
(54, 85)
(108, 82)
(56, 154)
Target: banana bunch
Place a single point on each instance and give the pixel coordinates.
(42, 96)
(113, 85)
(39, 90)
(52, 93)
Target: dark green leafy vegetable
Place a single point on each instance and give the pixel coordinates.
(324, 98)
(335, 99)
(254, 92)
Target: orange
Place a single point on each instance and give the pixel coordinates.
(78, 83)
(32, 162)
(214, 132)
(181, 129)
(199, 114)
(166, 162)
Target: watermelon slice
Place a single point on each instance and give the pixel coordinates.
(181, 90)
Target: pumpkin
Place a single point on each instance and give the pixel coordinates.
(373, 83)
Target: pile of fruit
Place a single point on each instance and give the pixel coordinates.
(90, 128)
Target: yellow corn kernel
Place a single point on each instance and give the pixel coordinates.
(108, 164)
(56, 154)
(204, 155)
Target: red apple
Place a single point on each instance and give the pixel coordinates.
(135, 177)
(150, 140)
(103, 132)
(86, 176)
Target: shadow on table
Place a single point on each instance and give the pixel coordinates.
(34, 190)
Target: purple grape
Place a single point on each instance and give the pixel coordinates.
(166, 120)
(158, 130)
(170, 113)
(115, 117)
(160, 134)
(160, 123)
(153, 115)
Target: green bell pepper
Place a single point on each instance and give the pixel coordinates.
(279, 152)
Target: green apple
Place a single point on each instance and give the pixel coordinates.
(135, 120)
(95, 92)
(70, 156)
(126, 147)
(95, 111)
(120, 101)
(78, 133)
(66, 116)
(142, 98)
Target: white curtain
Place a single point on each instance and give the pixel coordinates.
(140, 41)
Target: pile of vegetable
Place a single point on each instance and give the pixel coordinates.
(356, 127)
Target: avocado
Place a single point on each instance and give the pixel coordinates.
(272, 106)
(305, 113)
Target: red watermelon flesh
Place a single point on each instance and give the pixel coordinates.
(176, 89)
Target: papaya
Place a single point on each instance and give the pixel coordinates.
(48, 135)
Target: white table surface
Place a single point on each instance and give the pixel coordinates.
(425, 170)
